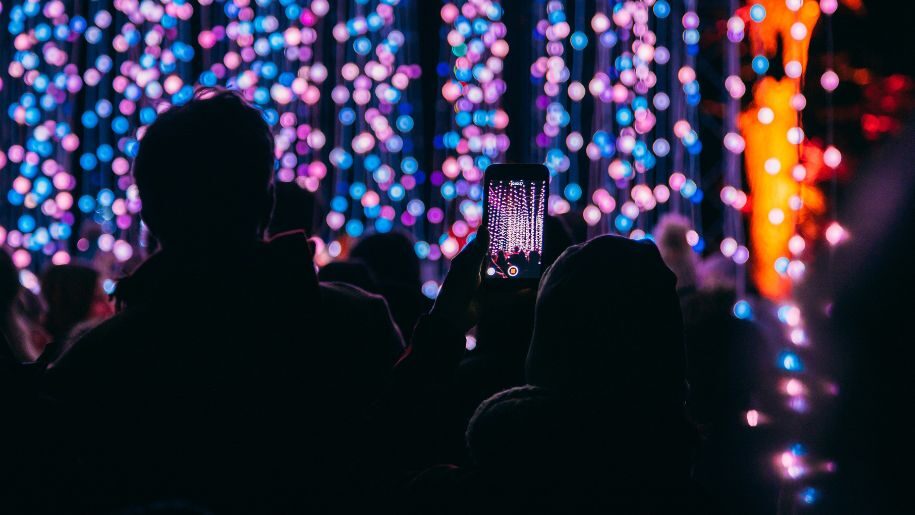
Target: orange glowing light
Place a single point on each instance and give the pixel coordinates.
(765, 126)
(775, 29)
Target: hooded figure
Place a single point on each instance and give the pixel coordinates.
(603, 425)
(608, 324)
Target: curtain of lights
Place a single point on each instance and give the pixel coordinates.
(71, 108)
(644, 72)
(557, 107)
(474, 133)
(377, 176)
(85, 79)
(271, 52)
(783, 169)
(337, 81)
(733, 244)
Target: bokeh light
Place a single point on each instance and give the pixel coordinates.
(87, 79)
(644, 134)
(474, 135)
(377, 177)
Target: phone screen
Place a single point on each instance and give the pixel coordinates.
(514, 216)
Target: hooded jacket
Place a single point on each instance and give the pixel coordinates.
(608, 324)
(601, 427)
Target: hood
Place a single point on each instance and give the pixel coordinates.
(608, 324)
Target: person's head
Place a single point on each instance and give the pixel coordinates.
(608, 321)
(205, 173)
(390, 257)
(608, 333)
(294, 209)
(671, 235)
(519, 429)
(73, 294)
(717, 272)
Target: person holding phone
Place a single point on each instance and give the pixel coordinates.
(497, 271)
(602, 423)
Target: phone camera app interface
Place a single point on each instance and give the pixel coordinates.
(515, 222)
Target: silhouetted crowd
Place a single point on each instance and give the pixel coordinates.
(226, 374)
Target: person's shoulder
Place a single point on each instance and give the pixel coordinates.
(97, 350)
(337, 293)
(363, 316)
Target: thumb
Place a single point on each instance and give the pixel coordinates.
(473, 252)
(480, 244)
(469, 260)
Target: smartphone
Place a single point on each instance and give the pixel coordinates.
(514, 207)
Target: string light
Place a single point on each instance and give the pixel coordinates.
(785, 198)
(475, 134)
(628, 141)
(139, 61)
(558, 104)
(378, 179)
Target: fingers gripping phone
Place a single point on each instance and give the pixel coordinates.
(514, 207)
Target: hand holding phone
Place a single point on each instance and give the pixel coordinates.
(455, 302)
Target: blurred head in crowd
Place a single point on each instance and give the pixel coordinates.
(608, 333)
(717, 272)
(16, 339)
(520, 428)
(389, 256)
(393, 264)
(608, 320)
(73, 294)
(671, 236)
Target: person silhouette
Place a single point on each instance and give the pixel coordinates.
(215, 382)
(393, 262)
(75, 299)
(602, 424)
(608, 362)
